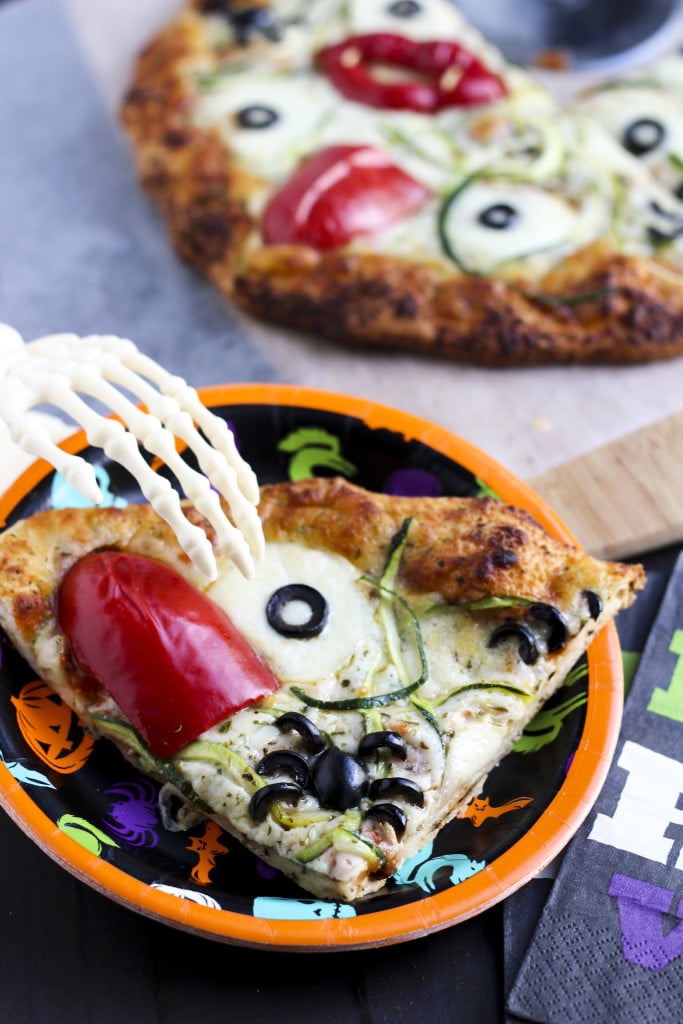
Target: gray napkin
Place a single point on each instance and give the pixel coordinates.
(609, 943)
(522, 910)
(81, 248)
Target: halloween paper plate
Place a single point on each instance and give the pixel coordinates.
(97, 817)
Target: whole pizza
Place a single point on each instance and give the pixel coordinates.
(376, 172)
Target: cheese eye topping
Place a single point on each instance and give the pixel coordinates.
(269, 121)
(647, 122)
(314, 586)
(420, 19)
(489, 223)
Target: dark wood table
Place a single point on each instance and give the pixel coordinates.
(72, 956)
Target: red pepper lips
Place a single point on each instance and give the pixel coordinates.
(444, 74)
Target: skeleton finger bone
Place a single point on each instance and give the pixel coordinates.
(58, 369)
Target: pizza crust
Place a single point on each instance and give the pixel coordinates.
(597, 305)
(619, 309)
(464, 549)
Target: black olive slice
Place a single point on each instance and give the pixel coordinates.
(338, 780)
(594, 602)
(404, 8)
(663, 212)
(289, 762)
(390, 813)
(276, 610)
(311, 736)
(395, 786)
(257, 116)
(250, 22)
(656, 236)
(528, 651)
(678, 191)
(500, 216)
(263, 799)
(643, 135)
(256, 21)
(374, 740)
(551, 617)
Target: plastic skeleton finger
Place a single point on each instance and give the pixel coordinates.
(58, 369)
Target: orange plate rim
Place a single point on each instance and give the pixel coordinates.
(532, 852)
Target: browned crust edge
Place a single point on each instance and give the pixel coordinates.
(462, 548)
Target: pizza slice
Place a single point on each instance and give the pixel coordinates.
(378, 173)
(337, 710)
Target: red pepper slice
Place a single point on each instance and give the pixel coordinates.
(168, 655)
(339, 193)
(450, 76)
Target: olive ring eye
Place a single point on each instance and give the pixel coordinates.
(298, 611)
(404, 8)
(256, 116)
(643, 136)
(499, 216)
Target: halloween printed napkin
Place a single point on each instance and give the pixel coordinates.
(522, 910)
(609, 943)
(81, 248)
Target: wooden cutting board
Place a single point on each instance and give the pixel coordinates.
(624, 498)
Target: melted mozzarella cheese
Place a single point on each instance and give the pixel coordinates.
(538, 221)
(302, 106)
(641, 198)
(423, 20)
(569, 180)
(351, 633)
(368, 647)
(309, 115)
(646, 121)
(668, 71)
(628, 112)
(459, 655)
